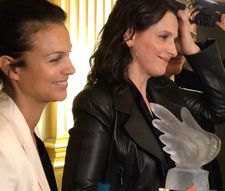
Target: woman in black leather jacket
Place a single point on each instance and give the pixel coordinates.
(113, 141)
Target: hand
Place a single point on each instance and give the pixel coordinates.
(221, 23)
(187, 43)
(187, 143)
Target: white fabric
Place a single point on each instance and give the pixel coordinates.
(20, 165)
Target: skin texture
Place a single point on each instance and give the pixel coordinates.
(50, 69)
(153, 48)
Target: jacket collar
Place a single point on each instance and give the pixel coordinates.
(136, 126)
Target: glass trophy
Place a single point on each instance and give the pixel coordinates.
(189, 146)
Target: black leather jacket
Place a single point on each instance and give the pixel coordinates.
(111, 142)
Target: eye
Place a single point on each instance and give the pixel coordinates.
(56, 59)
(164, 37)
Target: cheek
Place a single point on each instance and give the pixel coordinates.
(147, 50)
(48, 75)
(149, 45)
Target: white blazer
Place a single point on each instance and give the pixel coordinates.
(20, 165)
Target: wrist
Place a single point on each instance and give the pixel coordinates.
(192, 50)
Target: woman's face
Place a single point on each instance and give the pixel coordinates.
(152, 49)
(48, 66)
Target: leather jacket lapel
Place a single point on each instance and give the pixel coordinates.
(136, 125)
(141, 133)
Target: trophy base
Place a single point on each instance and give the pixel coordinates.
(179, 179)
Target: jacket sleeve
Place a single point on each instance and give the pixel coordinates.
(89, 142)
(209, 105)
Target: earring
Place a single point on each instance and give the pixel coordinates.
(137, 54)
(1, 85)
(129, 44)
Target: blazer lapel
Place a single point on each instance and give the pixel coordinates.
(23, 134)
(136, 126)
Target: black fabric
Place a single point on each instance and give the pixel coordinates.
(148, 117)
(46, 163)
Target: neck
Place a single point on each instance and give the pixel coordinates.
(30, 108)
(32, 114)
(138, 77)
(140, 84)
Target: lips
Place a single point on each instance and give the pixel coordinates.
(63, 83)
(165, 59)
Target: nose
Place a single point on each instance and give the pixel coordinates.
(173, 49)
(70, 69)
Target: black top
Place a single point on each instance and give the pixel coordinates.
(46, 163)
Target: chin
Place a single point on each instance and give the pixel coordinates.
(159, 73)
(60, 97)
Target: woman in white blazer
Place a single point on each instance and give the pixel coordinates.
(34, 69)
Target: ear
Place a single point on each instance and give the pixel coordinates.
(129, 37)
(8, 70)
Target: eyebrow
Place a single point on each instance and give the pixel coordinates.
(168, 32)
(57, 52)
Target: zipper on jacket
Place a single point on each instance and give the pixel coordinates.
(121, 174)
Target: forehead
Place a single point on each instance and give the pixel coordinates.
(168, 23)
(54, 37)
(168, 20)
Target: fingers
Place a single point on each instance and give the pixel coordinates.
(183, 15)
(221, 23)
(187, 43)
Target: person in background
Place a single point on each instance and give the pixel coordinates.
(34, 70)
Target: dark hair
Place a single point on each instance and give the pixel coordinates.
(19, 21)
(111, 55)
